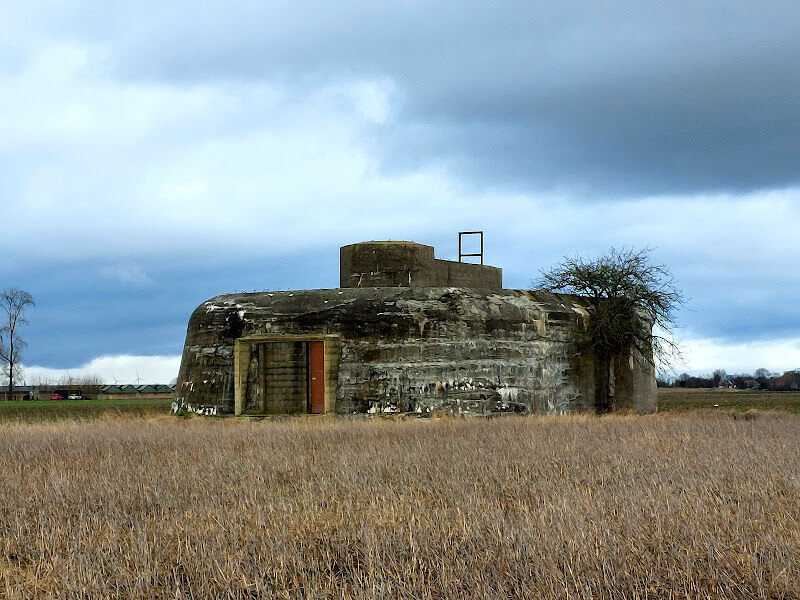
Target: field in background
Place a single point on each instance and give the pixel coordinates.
(673, 505)
(54, 410)
(726, 400)
(668, 400)
(38, 411)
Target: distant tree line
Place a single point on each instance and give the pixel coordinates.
(65, 380)
(761, 379)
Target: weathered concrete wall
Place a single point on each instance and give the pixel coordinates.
(408, 264)
(286, 377)
(634, 384)
(468, 275)
(409, 349)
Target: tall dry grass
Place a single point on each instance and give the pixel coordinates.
(667, 506)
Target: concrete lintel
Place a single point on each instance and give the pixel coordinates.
(289, 337)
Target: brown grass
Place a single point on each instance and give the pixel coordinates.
(666, 506)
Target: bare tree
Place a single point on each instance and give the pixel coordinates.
(40, 380)
(634, 304)
(13, 303)
(91, 379)
(720, 377)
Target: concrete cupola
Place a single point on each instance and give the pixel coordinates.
(409, 264)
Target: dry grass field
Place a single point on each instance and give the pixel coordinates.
(693, 505)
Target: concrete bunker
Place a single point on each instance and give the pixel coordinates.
(404, 332)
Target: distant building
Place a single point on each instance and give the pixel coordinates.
(19, 392)
(127, 391)
(46, 392)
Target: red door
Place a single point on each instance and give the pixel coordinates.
(316, 377)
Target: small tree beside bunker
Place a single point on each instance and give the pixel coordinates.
(634, 304)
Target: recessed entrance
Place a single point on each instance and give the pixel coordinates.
(281, 376)
(285, 374)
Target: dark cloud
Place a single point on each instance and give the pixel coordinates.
(622, 99)
(737, 292)
(81, 313)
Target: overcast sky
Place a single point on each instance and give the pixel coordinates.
(154, 154)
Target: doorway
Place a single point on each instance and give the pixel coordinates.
(284, 377)
(285, 374)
